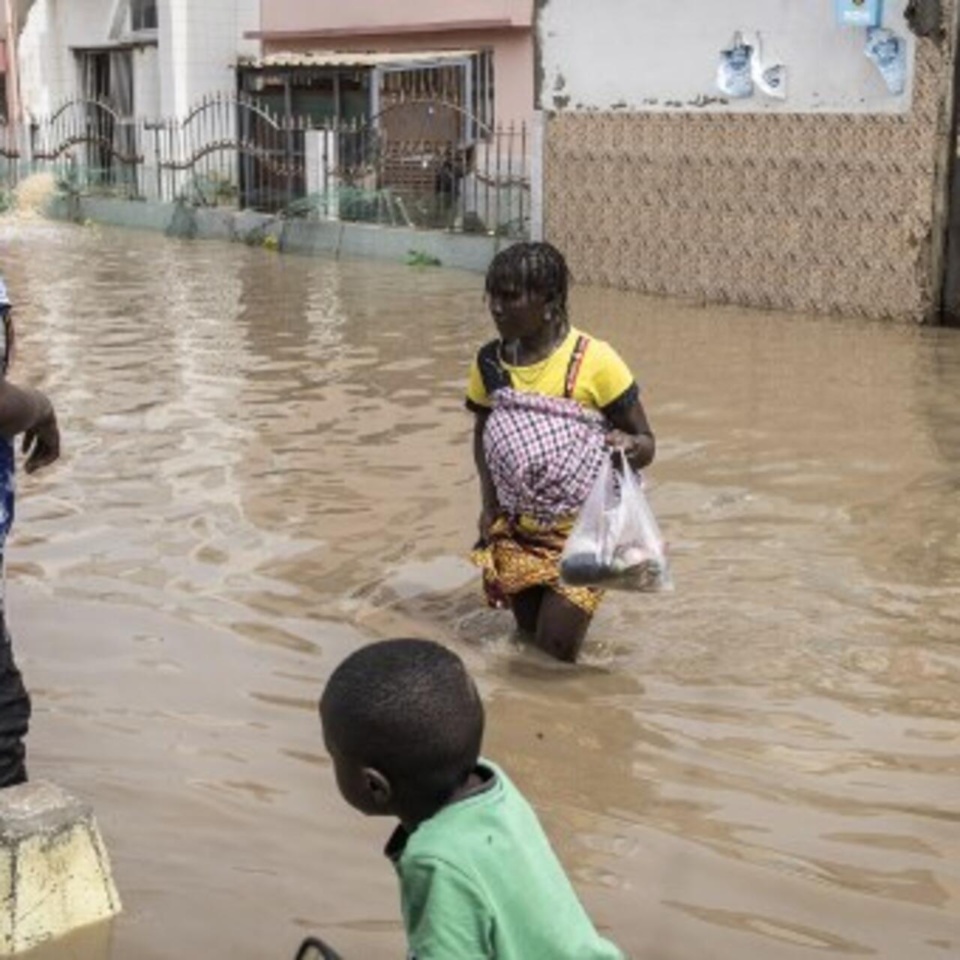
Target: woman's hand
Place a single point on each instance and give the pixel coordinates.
(631, 433)
(637, 450)
(41, 443)
(627, 442)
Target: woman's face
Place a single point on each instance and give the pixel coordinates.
(518, 314)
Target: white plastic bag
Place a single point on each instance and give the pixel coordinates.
(772, 79)
(888, 52)
(616, 542)
(733, 72)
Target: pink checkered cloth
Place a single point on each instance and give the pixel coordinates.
(544, 454)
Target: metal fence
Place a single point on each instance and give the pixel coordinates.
(232, 151)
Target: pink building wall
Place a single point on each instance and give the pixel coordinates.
(378, 15)
(504, 26)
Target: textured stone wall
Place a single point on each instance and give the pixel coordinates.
(828, 213)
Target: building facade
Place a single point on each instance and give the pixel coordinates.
(479, 51)
(828, 199)
(149, 58)
(443, 94)
(12, 15)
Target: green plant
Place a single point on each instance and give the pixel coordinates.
(417, 258)
(210, 190)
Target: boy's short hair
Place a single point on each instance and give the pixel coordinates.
(409, 709)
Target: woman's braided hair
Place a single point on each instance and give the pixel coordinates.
(532, 268)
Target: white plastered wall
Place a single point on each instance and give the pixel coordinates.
(652, 55)
(48, 69)
(199, 47)
(146, 82)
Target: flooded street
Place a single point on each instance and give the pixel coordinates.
(267, 464)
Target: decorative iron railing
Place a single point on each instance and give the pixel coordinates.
(420, 162)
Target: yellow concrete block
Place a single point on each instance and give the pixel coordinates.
(54, 870)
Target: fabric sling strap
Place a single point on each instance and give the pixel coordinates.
(495, 376)
(573, 367)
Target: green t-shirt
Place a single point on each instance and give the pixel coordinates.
(479, 881)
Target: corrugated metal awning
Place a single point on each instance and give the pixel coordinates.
(341, 58)
(522, 22)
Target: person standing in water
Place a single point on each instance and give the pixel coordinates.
(549, 402)
(28, 412)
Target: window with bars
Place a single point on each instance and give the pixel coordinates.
(466, 82)
(143, 15)
(482, 93)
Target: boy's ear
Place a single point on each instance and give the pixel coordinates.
(378, 788)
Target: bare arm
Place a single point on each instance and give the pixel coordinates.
(28, 411)
(631, 432)
(488, 494)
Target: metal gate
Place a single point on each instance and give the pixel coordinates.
(89, 146)
(420, 162)
(9, 159)
(230, 150)
(430, 163)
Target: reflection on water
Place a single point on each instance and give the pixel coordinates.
(267, 463)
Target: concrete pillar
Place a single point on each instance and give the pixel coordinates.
(13, 63)
(173, 58)
(54, 871)
(535, 168)
(323, 184)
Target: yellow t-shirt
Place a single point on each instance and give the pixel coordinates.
(603, 377)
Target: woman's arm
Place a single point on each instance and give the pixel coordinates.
(30, 412)
(488, 493)
(631, 433)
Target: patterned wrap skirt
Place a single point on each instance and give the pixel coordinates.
(544, 454)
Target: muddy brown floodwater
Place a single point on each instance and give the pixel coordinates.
(267, 464)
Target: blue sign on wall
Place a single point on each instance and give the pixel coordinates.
(859, 13)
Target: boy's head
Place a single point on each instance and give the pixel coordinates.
(531, 270)
(403, 724)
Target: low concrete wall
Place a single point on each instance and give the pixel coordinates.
(308, 237)
(54, 870)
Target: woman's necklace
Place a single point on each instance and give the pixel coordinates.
(511, 350)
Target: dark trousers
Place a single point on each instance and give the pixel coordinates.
(14, 715)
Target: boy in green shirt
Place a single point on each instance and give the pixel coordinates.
(403, 724)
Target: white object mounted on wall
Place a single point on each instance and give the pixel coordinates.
(734, 74)
(888, 53)
(770, 80)
(859, 13)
